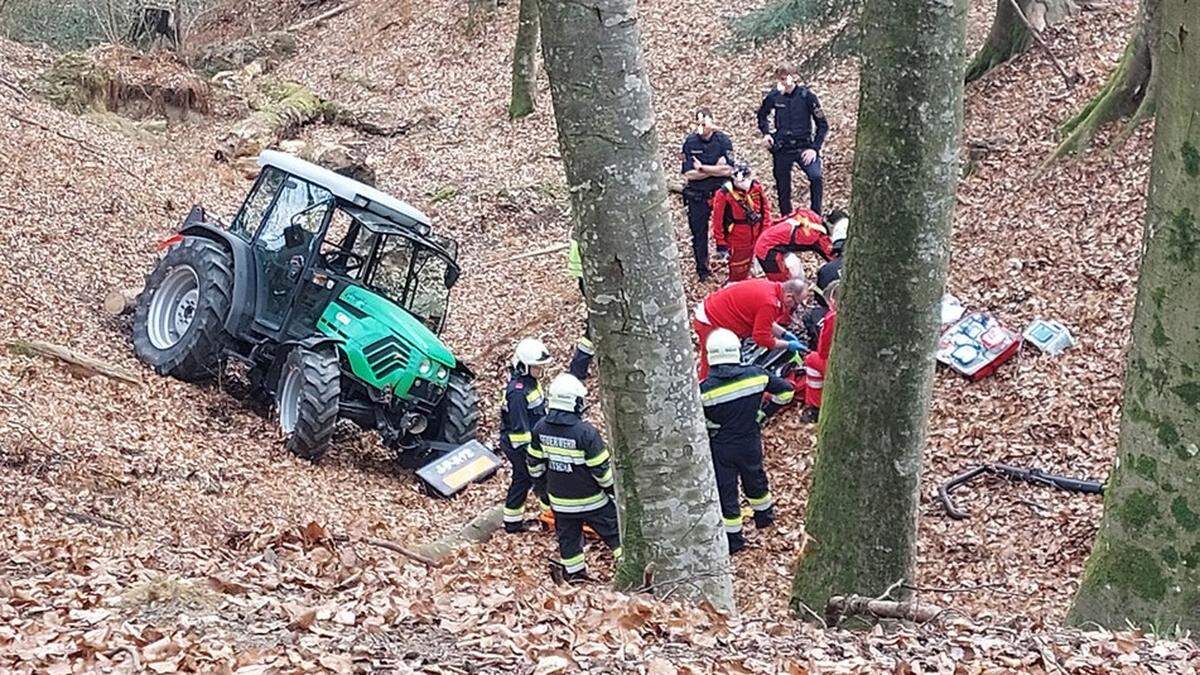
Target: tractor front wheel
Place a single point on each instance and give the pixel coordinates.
(457, 417)
(179, 323)
(306, 399)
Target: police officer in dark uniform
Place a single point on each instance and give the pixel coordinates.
(707, 164)
(523, 406)
(568, 460)
(797, 111)
(827, 275)
(736, 399)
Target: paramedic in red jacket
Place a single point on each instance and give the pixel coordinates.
(815, 363)
(756, 308)
(802, 230)
(739, 213)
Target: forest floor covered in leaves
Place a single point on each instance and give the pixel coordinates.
(163, 526)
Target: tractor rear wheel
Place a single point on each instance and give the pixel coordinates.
(179, 323)
(306, 399)
(457, 418)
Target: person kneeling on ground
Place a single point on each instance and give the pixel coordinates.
(736, 398)
(570, 465)
(739, 213)
(801, 230)
(828, 273)
(815, 363)
(753, 308)
(523, 406)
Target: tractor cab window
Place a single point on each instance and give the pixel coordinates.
(258, 203)
(284, 243)
(347, 246)
(296, 216)
(429, 292)
(391, 272)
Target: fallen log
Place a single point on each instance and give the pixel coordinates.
(324, 16)
(840, 607)
(288, 106)
(87, 363)
(121, 301)
(477, 531)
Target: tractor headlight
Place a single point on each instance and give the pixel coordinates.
(442, 373)
(425, 367)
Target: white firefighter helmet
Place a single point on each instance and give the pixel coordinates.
(530, 352)
(723, 346)
(567, 393)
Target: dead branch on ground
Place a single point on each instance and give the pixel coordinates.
(92, 365)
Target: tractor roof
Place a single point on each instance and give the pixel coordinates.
(348, 189)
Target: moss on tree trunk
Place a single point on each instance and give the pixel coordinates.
(1129, 91)
(1010, 35)
(524, 70)
(862, 510)
(1145, 564)
(666, 491)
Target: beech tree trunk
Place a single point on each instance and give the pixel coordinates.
(524, 72)
(1129, 91)
(1010, 35)
(666, 490)
(1145, 565)
(862, 509)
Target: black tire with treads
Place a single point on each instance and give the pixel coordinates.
(457, 418)
(198, 354)
(317, 413)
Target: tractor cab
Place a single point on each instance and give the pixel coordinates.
(313, 232)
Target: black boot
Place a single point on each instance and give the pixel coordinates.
(737, 542)
(764, 519)
(560, 575)
(523, 526)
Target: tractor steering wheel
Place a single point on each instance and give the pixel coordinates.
(343, 262)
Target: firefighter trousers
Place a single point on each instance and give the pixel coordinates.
(568, 528)
(742, 461)
(518, 489)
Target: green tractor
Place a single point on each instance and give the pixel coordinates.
(333, 293)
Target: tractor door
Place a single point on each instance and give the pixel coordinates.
(286, 243)
(340, 261)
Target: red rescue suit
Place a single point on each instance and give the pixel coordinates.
(800, 231)
(737, 219)
(748, 308)
(815, 362)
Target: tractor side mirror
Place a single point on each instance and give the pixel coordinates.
(451, 276)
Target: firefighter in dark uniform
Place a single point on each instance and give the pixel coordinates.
(571, 466)
(827, 274)
(800, 130)
(736, 399)
(707, 164)
(523, 406)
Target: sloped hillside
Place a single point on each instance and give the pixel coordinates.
(161, 525)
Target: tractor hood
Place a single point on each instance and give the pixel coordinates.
(399, 321)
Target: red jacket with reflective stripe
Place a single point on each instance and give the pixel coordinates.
(748, 308)
(825, 339)
(799, 231)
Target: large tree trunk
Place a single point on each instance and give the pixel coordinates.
(1129, 91)
(670, 521)
(1010, 35)
(862, 510)
(1145, 565)
(524, 71)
